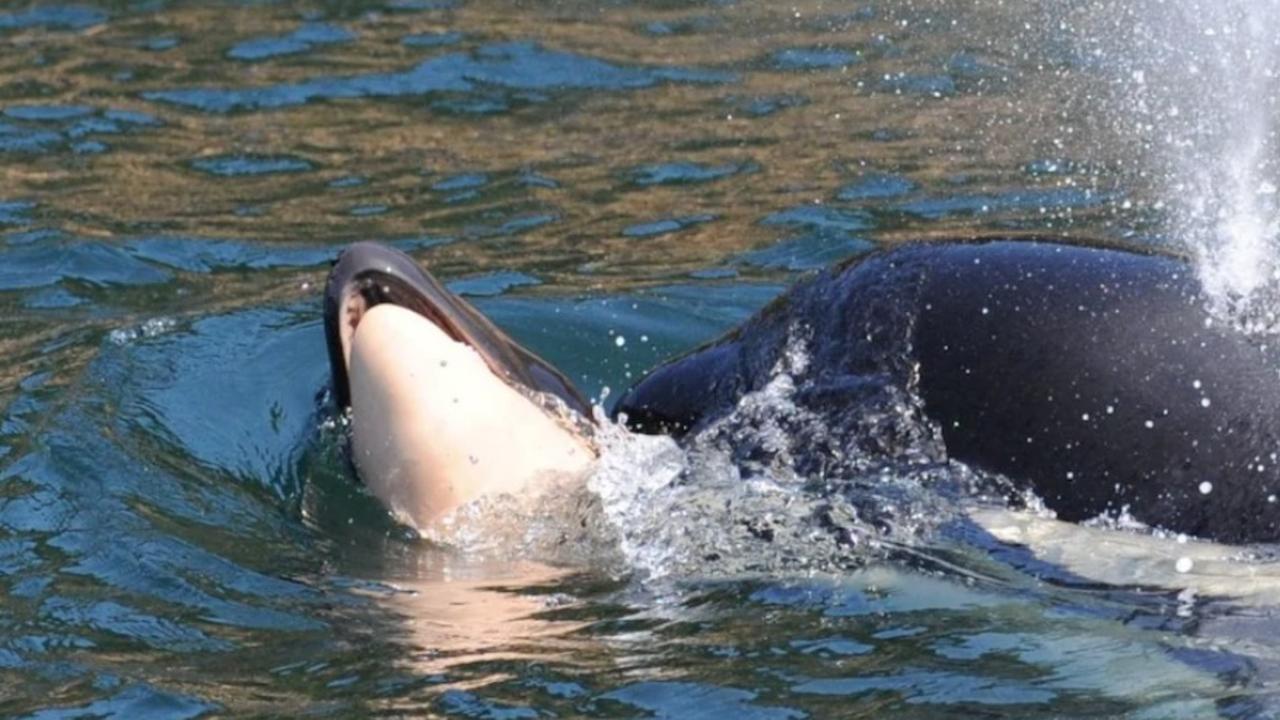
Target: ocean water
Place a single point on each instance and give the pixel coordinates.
(613, 183)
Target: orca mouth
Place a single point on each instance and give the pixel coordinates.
(371, 288)
(367, 274)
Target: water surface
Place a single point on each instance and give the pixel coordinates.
(612, 183)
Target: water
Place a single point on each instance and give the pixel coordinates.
(1194, 86)
(612, 183)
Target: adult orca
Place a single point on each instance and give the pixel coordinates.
(444, 407)
(1096, 377)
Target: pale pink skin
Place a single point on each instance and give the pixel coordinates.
(433, 428)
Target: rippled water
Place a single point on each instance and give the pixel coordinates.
(612, 183)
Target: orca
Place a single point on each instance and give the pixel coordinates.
(445, 408)
(1096, 377)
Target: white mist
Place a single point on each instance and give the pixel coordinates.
(1195, 84)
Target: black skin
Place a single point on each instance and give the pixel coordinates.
(1039, 361)
(380, 274)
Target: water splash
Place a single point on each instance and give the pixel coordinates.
(773, 487)
(1232, 218)
(1196, 86)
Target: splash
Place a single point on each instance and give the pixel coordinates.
(148, 329)
(774, 487)
(1228, 154)
(704, 509)
(1196, 87)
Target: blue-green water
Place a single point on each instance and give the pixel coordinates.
(612, 183)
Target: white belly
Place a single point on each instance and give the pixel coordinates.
(1121, 558)
(433, 428)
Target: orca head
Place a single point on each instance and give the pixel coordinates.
(444, 405)
(368, 274)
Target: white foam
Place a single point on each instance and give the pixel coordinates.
(147, 329)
